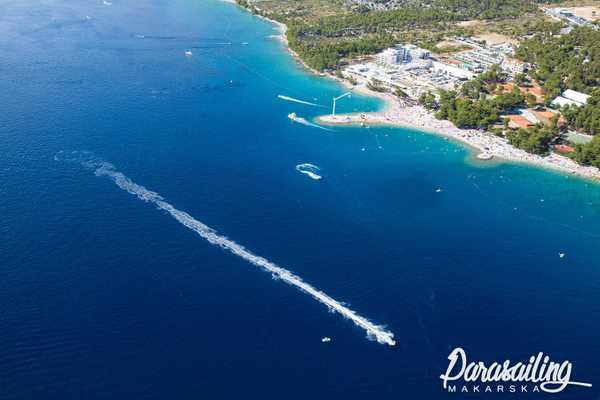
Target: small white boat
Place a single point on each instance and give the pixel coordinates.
(438, 190)
(561, 255)
(293, 116)
(485, 156)
(189, 53)
(326, 339)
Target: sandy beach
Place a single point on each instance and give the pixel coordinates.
(398, 113)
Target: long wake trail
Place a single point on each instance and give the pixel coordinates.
(104, 169)
(288, 98)
(303, 121)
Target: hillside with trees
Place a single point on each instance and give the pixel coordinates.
(562, 62)
(324, 33)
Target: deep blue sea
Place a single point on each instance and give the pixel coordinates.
(103, 296)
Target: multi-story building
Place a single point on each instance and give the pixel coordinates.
(402, 54)
(390, 57)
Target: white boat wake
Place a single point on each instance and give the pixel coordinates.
(311, 170)
(288, 98)
(104, 169)
(303, 121)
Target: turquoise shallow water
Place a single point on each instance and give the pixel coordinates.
(104, 296)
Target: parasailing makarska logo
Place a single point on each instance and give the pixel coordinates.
(538, 374)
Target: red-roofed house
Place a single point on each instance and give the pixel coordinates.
(563, 148)
(518, 121)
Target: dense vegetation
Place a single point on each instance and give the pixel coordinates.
(484, 9)
(570, 61)
(474, 106)
(323, 33)
(536, 140)
(326, 54)
(588, 154)
(323, 42)
(465, 112)
(586, 118)
(564, 62)
(478, 105)
(526, 26)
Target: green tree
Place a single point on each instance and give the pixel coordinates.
(588, 154)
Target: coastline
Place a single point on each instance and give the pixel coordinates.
(395, 113)
(418, 118)
(282, 37)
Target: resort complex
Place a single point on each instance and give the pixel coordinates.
(415, 70)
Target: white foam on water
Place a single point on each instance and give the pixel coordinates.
(310, 170)
(303, 121)
(104, 169)
(288, 98)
